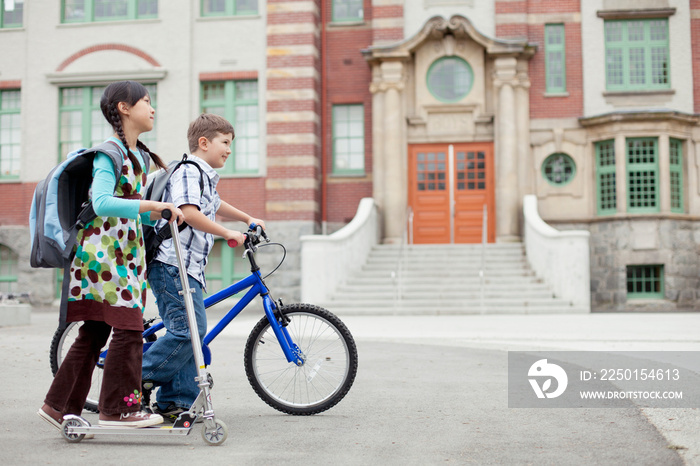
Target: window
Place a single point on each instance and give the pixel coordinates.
(642, 175)
(8, 269)
(87, 11)
(229, 7)
(645, 281)
(555, 58)
(676, 162)
(10, 134)
(450, 79)
(431, 171)
(81, 123)
(11, 13)
(558, 169)
(347, 10)
(605, 177)
(636, 54)
(237, 101)
(225, 266)
(348, 139)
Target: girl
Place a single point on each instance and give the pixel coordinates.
(108, 286)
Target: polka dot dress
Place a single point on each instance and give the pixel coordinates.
(110, 263)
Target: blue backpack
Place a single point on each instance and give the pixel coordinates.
(61, 207)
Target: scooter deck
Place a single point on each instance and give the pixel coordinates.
(182, 426)
(152, 430)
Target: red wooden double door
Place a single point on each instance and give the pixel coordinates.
(449, 185)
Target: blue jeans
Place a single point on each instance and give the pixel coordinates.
(169, 362)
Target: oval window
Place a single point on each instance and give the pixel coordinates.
(559, 169)
(450, 79)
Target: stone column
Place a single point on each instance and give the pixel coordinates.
(526, 177)
(378, 158)
(393, 149)
(507, 179)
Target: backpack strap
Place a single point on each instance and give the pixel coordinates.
(65, 289)
(166, 233)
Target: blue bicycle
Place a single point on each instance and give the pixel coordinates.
(300, 358)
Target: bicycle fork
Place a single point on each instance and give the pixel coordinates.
(279, 326)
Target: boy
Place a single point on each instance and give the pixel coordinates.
(169, 362)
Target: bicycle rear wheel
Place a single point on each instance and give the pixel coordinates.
(61, 342)
(322, 381)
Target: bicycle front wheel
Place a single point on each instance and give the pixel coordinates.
(325, 377)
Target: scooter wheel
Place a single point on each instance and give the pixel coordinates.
(70, 436)
(217, 435)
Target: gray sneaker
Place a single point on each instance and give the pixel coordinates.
(170, 412)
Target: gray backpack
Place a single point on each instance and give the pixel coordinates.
(61, 207)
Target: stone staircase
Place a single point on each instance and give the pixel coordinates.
(445, 279)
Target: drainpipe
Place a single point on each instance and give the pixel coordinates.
(324, 122)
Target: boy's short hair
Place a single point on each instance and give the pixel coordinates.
(207, 125)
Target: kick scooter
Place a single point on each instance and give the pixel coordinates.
(214, 431)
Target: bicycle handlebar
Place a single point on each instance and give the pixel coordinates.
(252, 237)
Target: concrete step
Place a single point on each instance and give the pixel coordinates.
(448, 273)
(442, 286)
(350, 294)
(453, 310)
(362, 301)
(446, 279)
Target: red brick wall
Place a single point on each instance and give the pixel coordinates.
(247, 194)
(16, 202)
(347, 82)
(275, 193)
(542, 106)
(517, 27)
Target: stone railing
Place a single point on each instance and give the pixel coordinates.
(560, 258)
(328, 260)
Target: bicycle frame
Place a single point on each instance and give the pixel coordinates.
(257, 286)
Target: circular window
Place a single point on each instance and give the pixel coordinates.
(450, 79)
(559, 169)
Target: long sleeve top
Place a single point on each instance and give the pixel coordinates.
(103, 182)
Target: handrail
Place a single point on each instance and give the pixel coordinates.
(484, 236)
(397, 275)
(328, 261)
(561, 258)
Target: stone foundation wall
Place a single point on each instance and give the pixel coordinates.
(615, 244)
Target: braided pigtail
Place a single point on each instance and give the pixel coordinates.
(116, 122)
(156, 159)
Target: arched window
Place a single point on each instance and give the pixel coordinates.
(450, 79)
(559, 169)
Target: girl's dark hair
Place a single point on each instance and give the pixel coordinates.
(129, 92)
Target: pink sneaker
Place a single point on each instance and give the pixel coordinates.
(137, 419)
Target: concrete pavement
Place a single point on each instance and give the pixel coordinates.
(430, 389)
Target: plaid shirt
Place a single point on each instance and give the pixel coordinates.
(184, 188)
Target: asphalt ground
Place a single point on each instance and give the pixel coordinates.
(429, 390)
